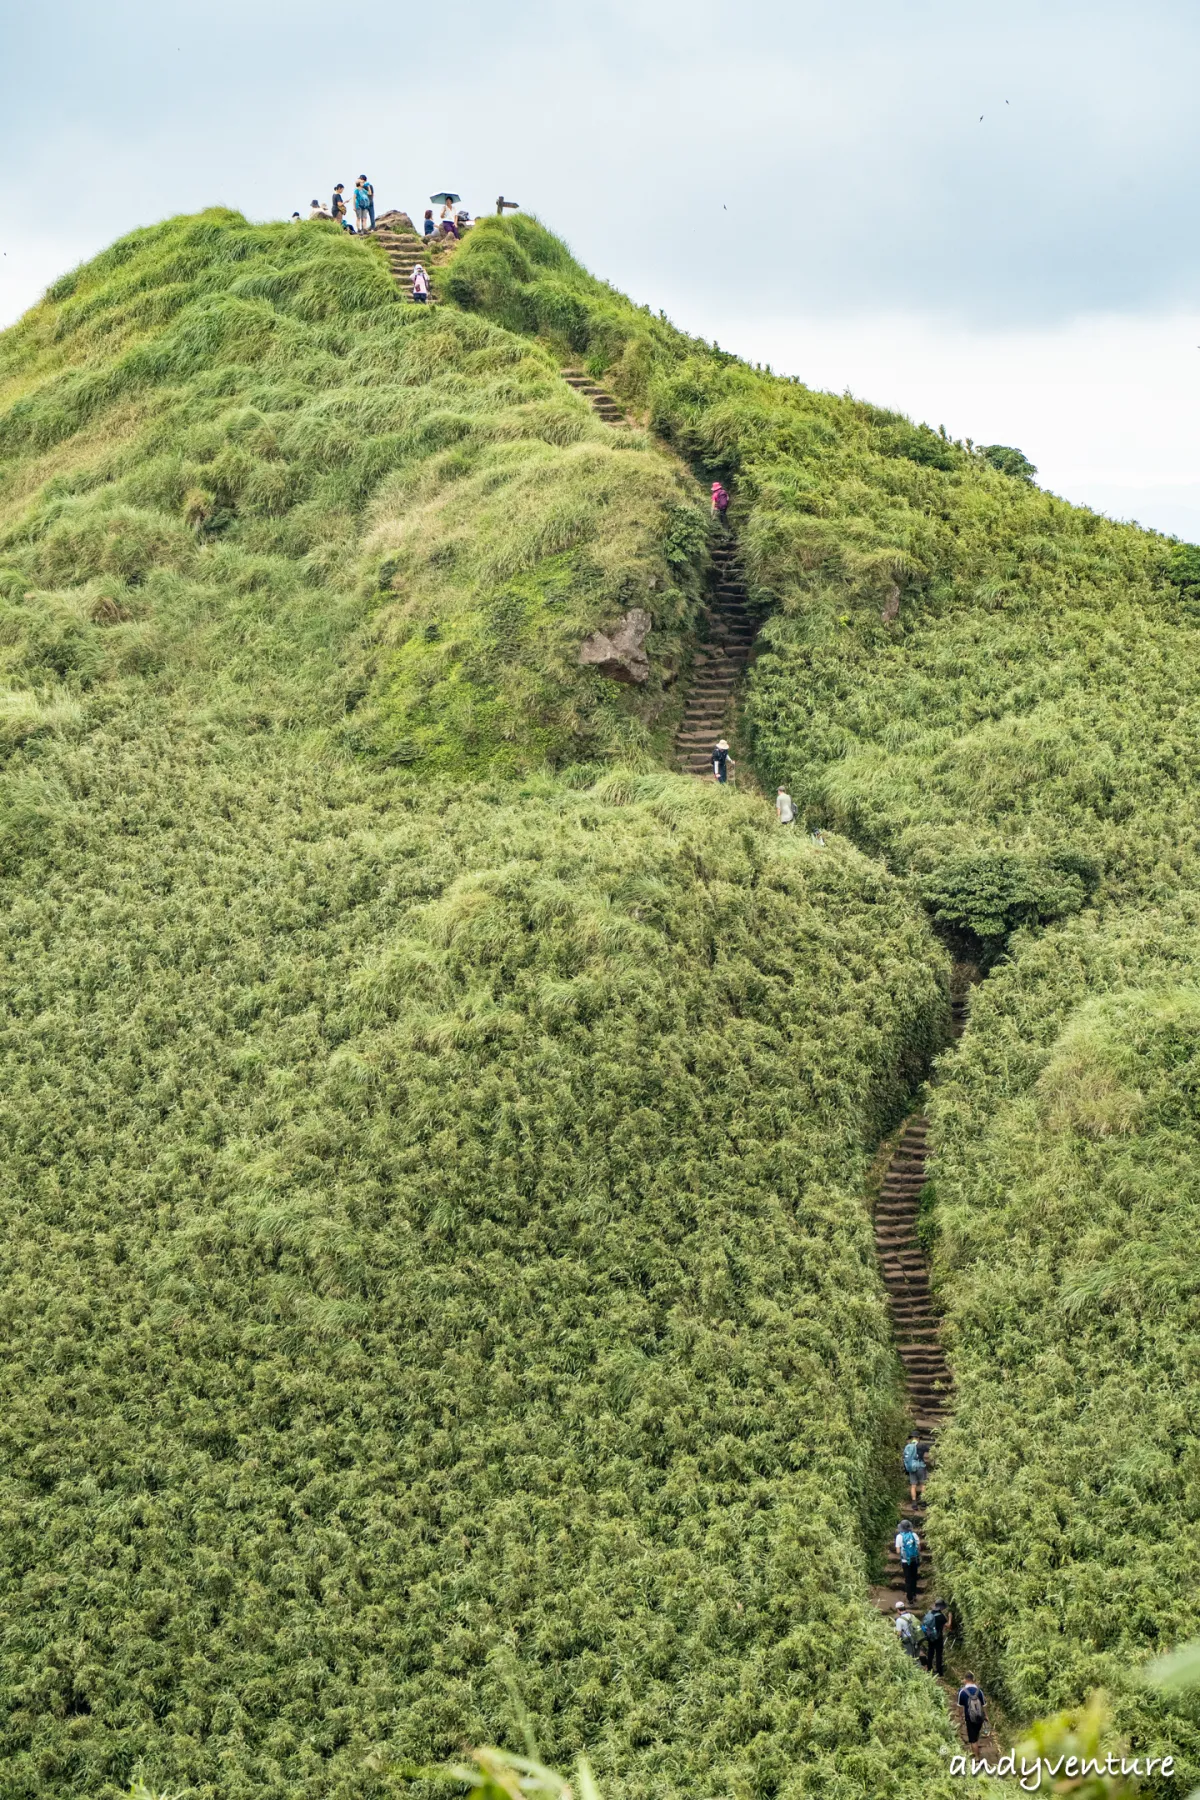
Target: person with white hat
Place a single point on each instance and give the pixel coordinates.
(722, 762)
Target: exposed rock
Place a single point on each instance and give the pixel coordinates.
(618, 651)
(891, 605)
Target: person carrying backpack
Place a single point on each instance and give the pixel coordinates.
(908, 1549)
(369, 191)
(908, 1631)
(934, 1626)
(362, 204)
(420, 285)
(720, 501)
(973, 1701)
(915, 1467)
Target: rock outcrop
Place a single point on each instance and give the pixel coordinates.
(618, 652)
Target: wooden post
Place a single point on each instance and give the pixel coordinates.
(501, 203)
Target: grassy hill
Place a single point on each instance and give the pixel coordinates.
(435, 1266)
(434, 1263)
(997, 695)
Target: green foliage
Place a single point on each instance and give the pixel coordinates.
(1183, 569)
(433, 1241)
(1064, 1505)
(231, 462)
(1008, 460)
(989, 894)
(998, 693)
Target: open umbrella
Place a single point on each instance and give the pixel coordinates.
(445, 199)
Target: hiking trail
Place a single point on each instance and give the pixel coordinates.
(602, 402)
(722, 657)
(404, 249)
(727, 635)
(905, 1270)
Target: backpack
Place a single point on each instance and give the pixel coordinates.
(974, 1707)
(910, 1546)
(931, 1625)
(722, 500)
(912, 1456)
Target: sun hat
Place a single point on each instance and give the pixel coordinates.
(721, 744)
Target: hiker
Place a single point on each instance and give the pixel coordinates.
(295, 218)
(720, 501)
(420, 285)
(934, 1628)
(337, 206)
(462, 219)
(362, 205)
(369, 191)
(818, 838)
(908, 1549)
(907, 1630)
(915, 1467)
(722, 762)
(973, 1701)
(430, 227)
(785, 812)
(317, 211)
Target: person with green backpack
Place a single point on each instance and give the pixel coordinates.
(908, 1631)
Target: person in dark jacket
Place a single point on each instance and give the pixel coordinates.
(722, 762)
(973, 1701)
(934, 1629)
(908, 1549)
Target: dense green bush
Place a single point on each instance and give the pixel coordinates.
(433, 1243)
(987, 895)
(433, 1253)
(1067, 1497)
(998, 693)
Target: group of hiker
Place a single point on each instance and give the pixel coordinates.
(924, 1639)
(361, 203)
(454, 220)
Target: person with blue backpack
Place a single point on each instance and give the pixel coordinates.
(908, 1549)
(915, 1467)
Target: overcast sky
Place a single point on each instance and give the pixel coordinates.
(813, 184)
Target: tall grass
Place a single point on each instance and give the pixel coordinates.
(235, 467)
(432, 1255)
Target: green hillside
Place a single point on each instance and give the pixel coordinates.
(438, 1281)
(434, 1257)
(1018, 741)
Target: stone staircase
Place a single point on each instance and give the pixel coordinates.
(910, 1301)
(404, 250)
(721, 660)
(915, 1326)
(603, 404)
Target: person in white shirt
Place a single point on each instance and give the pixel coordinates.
(785, 810)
